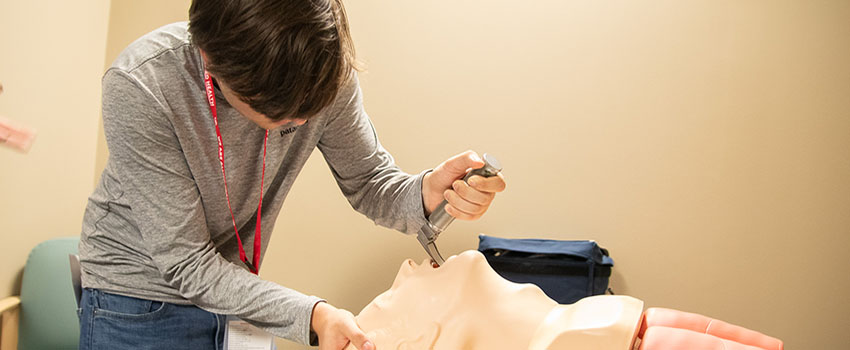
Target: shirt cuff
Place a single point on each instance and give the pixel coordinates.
(309, 337)
(417, 206)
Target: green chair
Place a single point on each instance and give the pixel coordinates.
(46, 308)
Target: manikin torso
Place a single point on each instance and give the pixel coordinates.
(464, 304)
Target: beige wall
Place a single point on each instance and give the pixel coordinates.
(705, 144)
(51, 59)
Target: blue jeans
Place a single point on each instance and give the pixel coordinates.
(109, 321)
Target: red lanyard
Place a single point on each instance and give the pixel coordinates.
(254, 265)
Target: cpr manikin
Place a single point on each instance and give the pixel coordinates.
(464, 304)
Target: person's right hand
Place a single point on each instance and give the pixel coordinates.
(337, 329)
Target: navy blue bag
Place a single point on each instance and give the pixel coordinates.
(566, 270)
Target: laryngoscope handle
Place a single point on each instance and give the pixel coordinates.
(439, 218)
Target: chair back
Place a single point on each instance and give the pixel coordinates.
(48, 318)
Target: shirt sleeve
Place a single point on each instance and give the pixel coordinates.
(167, 209)
(365, 172)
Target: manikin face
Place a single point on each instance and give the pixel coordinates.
(464, 304)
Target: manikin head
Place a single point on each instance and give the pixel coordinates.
(464, 304)
(276, 61)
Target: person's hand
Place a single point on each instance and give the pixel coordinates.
(465, 201)
(14, 135)
(337, 329)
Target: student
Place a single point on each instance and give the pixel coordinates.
(208, 124)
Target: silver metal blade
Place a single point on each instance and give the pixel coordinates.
(430, 246)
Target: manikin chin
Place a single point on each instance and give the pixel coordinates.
(464, 304)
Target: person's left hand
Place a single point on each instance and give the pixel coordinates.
(465, 201)
(337, 329)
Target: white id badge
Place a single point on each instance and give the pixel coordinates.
(241, 335)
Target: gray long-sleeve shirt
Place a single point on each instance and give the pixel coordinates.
(158, 227)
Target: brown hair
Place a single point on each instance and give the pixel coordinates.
(284, 58)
